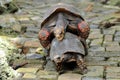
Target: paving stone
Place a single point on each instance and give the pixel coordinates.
(117, 38)
(70, 76)
(117, 27)
(24, 20)
(109, 31)
(105, 54)
(113, 48)
(28, 70)
(34, 66)
(113, 79)
(93, 26)
(112, 75)
(35, 18)
(47, 75)
(108, 38)
(95, 36)
(117, 33)
(30, 61)
(96, 42)
(92, 78)
(17, 27)
(113, 69)
(31, 35)
(95, 71)
(110, 44)
(29, 76)
(96, 48)
(89, 58)
(114, 59)
(28, 25)
(33, 44)
(95, 31)
(102, 63)
(33, 29)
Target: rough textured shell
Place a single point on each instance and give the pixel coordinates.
(60, 8)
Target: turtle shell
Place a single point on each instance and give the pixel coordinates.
(60, 7)
(70, 44)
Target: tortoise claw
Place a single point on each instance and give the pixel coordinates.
(82, 66)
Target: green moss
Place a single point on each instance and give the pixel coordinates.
(114, 2)
(8, 32)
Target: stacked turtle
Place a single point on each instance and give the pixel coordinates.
(59, 20)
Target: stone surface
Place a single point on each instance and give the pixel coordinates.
(96, 48)
(95, 36)
(92, 78)
(70, 76)
(95, 71)
(113, 69)
(112, 75)
(102, 63)
(117, 33)
(114, 44)
(32, 43)
(108, 38)
(117, 38)
(109, 31)
(96, 42)
(113, 48)
(114, 59)
(29, 76)
(47, 75)
(28, 70)
(103, 43)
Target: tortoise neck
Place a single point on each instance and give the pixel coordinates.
(60, 20)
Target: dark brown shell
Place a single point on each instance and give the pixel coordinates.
(70, 44)
(60, 7)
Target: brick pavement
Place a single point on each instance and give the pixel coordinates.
(103, 59)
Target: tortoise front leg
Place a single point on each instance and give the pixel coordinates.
(81, 64)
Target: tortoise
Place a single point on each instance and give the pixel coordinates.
(59, 20)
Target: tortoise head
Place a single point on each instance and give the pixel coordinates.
(59, 33)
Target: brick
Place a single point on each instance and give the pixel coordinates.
(29, 76)
(93, 26)
(108, 38)
(32, 44)
(28, 70)
(95, 36)
(105, 54)
(113, 69)
(110, 44)
(96, 42)
(102, 63)
(114, 59)
(112, 75)
(31, 35)
(96, 48)
(92, 78)
(47, 75)
(33, 29)
(109, 31)
(90, 58)
(70, 76)
(113, 48)
(117, 27)
(95, 71)
(113, 79)
(95, 31)
(117, 33)
(117, 38)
